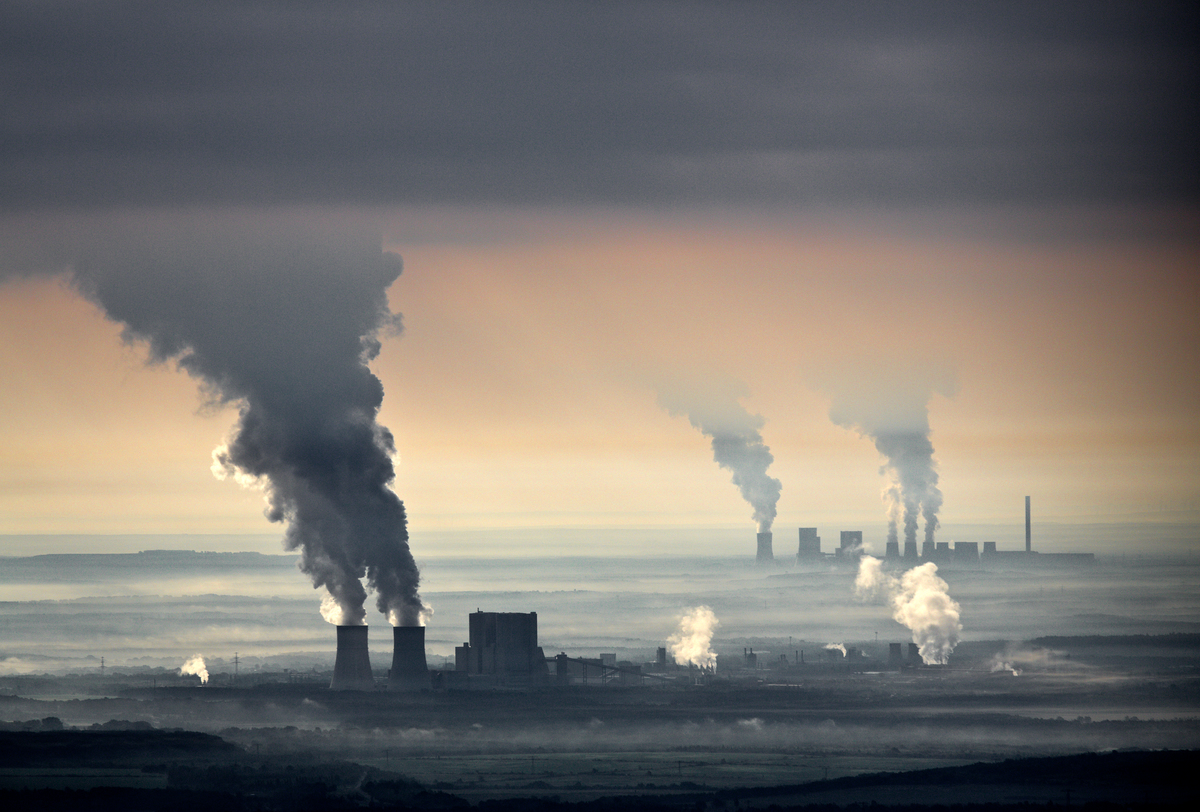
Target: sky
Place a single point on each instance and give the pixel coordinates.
(813, 201)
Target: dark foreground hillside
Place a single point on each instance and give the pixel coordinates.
(130, 769)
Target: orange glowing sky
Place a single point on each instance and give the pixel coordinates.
(519, 390)
(590, 198)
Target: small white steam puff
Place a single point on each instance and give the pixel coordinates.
(691, 644)
(195, 667)
(920, 600)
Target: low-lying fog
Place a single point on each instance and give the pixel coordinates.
(157, 608)
(147, 613)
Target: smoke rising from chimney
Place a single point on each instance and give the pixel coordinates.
(736, 440)
(281, 319)
(691, 644)
(195, 667)
(836, 647)
(920, 601)
(892, 408)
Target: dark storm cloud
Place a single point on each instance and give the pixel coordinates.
(392, 102)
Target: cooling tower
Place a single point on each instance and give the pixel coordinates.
(765, 553)
(893, 550)
(910, 549)
(409, 672)
(352, 669)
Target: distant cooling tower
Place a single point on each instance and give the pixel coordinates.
(765, 553)
(910, 549)
(352, 669)
(409, 671)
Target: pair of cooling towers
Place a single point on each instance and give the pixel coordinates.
(352, 669)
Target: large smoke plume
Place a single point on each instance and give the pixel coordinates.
(692, 643)
(892, 408)
(281, 321)
(919, 600)
(736, 440)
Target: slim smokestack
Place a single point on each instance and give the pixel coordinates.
(352, 669)
(409, 671)
(1028, 535)
(766, 553)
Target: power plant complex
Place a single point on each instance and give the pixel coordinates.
(962, 553)
(503, 653)
(502, 650)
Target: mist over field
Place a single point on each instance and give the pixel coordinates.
(153, 607)
(1052, 661)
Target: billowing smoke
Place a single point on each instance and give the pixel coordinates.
(736, 440)
(691, 644)
(892, 408)
(836, 647)
(195, 667)
(282, 320)
(920, 601)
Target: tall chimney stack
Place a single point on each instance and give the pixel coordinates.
(1028, 537)
(352, 669)
(409, 671)
(765, 554)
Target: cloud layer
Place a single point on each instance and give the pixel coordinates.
(406, 102)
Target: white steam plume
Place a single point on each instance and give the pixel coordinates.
(1001, 664)
(891, 407)
(836, 647)
(737, 443)
(195, 667)
(919, 601)
(691, 644)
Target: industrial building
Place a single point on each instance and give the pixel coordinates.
(502, 646)
(959, 554)
(851, 544)
(810, 545)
